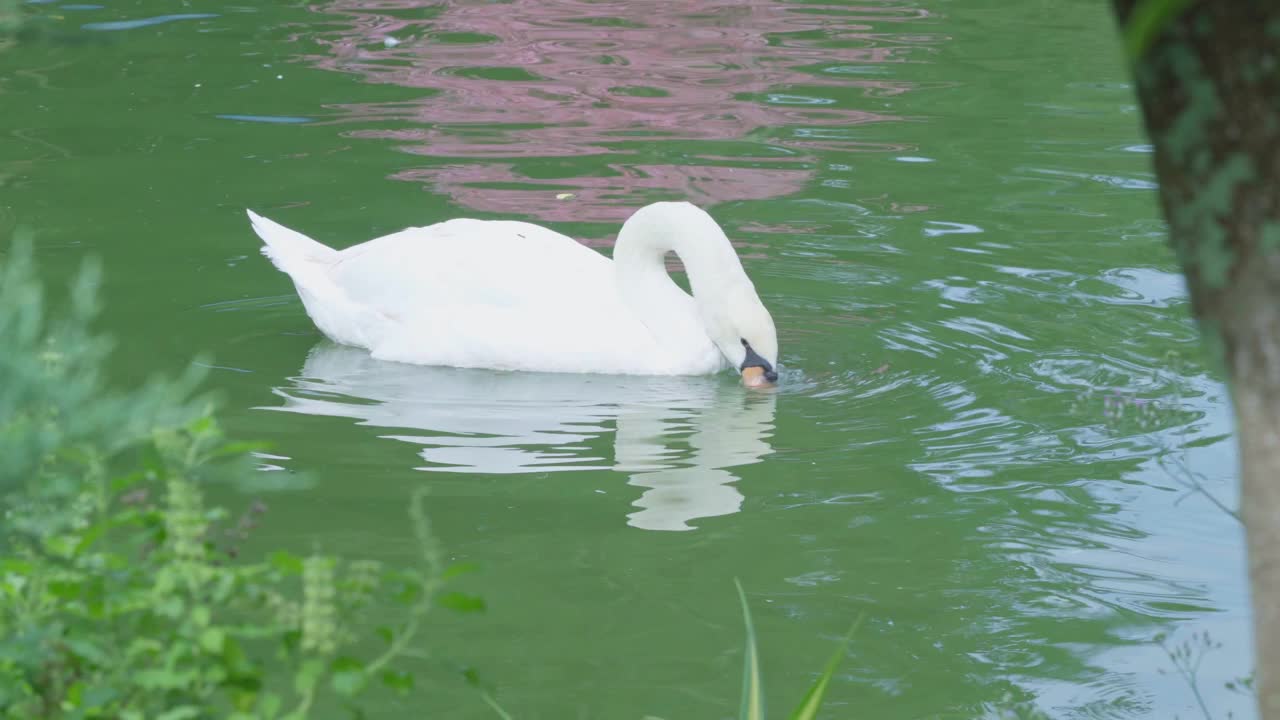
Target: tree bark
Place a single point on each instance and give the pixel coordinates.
(1209, 87)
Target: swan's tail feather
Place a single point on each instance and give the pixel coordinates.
(288, 248)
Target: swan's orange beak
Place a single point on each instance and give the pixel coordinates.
(755, 377)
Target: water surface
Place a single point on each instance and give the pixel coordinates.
(948, 208)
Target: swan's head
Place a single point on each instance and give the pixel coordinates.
(730, 309)
(744, 332)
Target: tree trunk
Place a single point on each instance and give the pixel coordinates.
(1209, 87)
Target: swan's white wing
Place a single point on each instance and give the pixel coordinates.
(472, 263)
(498, 294)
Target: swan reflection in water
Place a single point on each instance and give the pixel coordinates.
(674, 436)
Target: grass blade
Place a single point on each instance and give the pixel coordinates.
(808, 709)
(488, 700)
(752, 690)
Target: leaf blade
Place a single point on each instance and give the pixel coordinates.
(1148, 19)
(812, 701)
(752, 707)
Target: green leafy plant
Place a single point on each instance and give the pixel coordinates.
(17, 19)
(23, 20)
(10, 16)
(124, 593)
(57, 412)
(1148, 19)
(753, 706)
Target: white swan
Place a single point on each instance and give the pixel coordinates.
(514, 296)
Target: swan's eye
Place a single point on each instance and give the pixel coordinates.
(753, 359)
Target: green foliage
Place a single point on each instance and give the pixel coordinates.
(11, 18)
(23, 20)
(54, 403)
(16, 19)
(1148, 19)
(812, 701)
(752, 706)
(122, 590)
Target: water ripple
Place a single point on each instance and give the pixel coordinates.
(145, 22)
(712, 71)
(675, 437)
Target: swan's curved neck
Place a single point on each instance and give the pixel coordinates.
(714, 271)
(709, 259)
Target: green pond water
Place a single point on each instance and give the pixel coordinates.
(947, 206)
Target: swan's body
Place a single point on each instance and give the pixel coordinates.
(516, 296)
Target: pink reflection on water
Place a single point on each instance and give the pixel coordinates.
(606, 199)
(572, 78)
